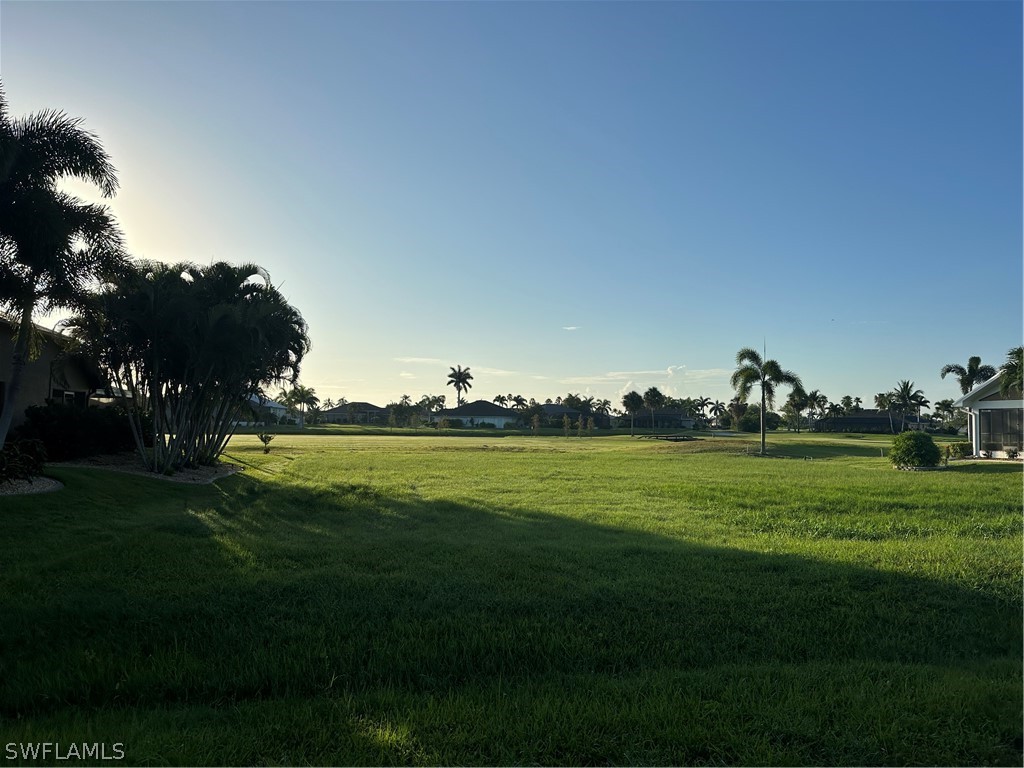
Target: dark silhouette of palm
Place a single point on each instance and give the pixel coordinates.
(53, 246)
(460, 378)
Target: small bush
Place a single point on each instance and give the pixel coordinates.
(21, 460)
(914, 449)
(959, 450)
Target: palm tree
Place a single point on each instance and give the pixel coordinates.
(968, 377)
(460, 378)
(884, 402)
(716, 409)
(701, 403)
(52, 245)
(1011, 373)
(944, 409)
(501, 400)
(188, 347)
(906, 399)
(299, 398)
(518, 403)
(797, 400)
(767, 374)
(736, 410)
(631, 403)
(834, 410)
(653, 399)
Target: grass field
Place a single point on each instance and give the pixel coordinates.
(374, 599)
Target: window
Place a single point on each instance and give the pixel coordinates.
(1002, 427)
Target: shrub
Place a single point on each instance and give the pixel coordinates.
(72, 432)
(21, 460)
(914, 449)
(959, 450)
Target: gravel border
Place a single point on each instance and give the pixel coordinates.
(25, 487)
(127, 463)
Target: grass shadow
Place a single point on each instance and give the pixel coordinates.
(257, 593)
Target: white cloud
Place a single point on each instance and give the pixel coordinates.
(407, 375)
(494, 372)
(570, 327)
(417, 360)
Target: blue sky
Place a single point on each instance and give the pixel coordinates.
(584, 197)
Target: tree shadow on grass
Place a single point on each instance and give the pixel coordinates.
(291, 592)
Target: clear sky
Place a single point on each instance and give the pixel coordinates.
(572, 196)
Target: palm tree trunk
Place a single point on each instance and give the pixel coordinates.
(19, 358)
(631, 417)
(763, 451)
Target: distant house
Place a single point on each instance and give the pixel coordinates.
(997, 421)
(481, 412)
(664, 419)
(555, 413)
(262, 412)
(867, 420)
(54, 374)
(355, 413)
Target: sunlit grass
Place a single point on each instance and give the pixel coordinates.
(361, 599)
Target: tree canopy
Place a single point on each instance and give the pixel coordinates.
(189, 346)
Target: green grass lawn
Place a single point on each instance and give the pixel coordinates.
(374, 599)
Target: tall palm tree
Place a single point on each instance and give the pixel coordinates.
(906, 399)
(501, 400)
(52, 245)
(1011, 373)
(716, 409)
(751, 370)
(653, 399)
(701, 403)
(884, 402)
(631, 403)
(460, 378)
(518, 403)
(968, 377)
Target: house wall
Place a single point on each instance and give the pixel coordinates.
(41, 376)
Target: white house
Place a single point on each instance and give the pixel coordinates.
(997, 422)
(262, 412)
(481, 412)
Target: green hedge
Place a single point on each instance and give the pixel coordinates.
(914, 449)
(72, 432)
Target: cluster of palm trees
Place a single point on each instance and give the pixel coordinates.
(302, 400)
(182, 345)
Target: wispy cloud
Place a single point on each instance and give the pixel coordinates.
(417, 360)
(570, 327)
(494, 372)
(679, 374)
(407, 375)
